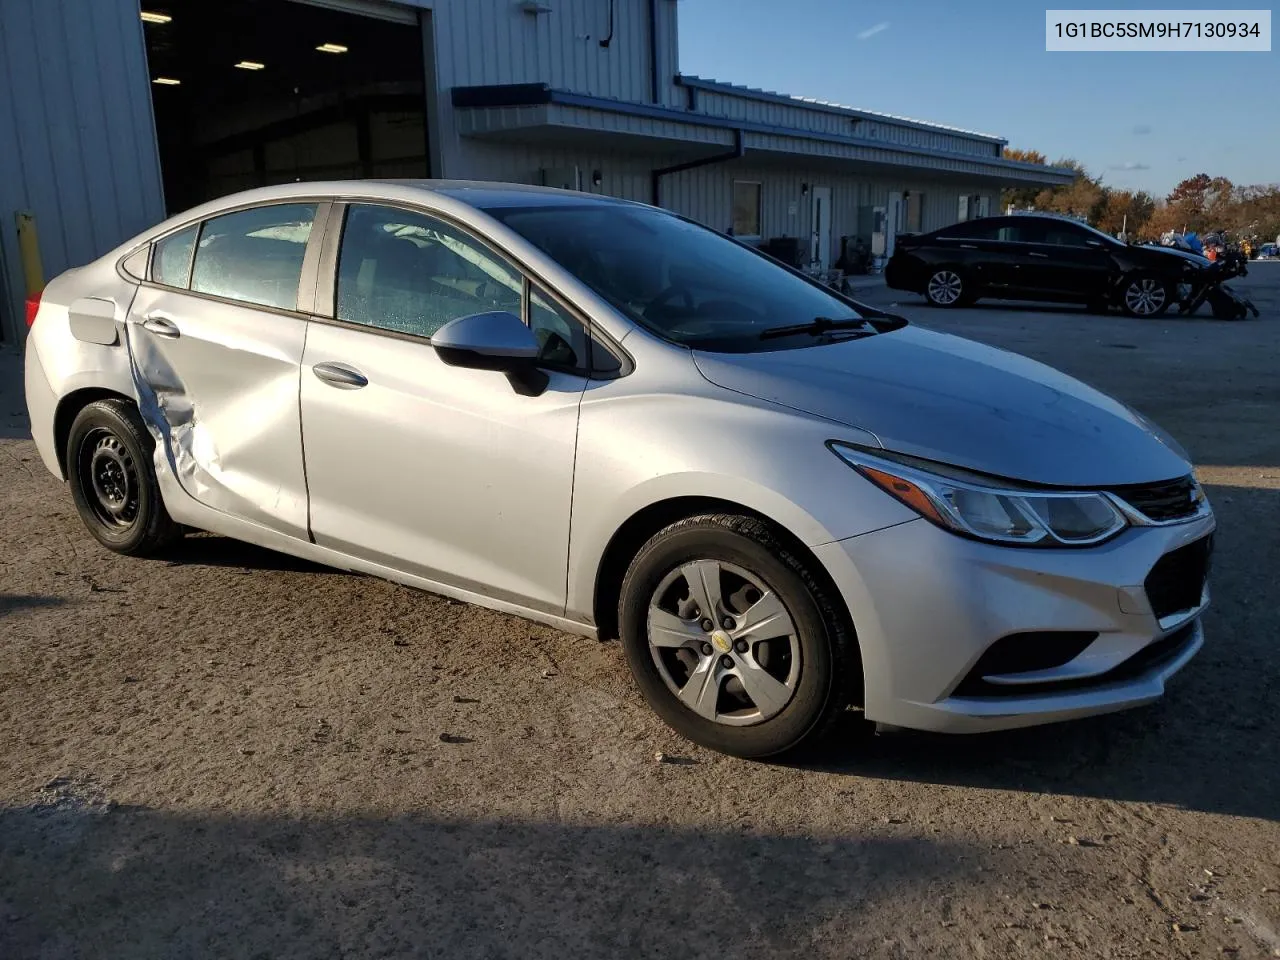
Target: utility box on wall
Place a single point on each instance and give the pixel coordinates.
(565, 178)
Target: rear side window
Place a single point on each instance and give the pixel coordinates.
(971, 231)
(254, 256)
(171, 262)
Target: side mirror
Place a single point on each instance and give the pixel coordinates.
(493, 341)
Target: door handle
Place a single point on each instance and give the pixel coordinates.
(968, 246)
(340, 375)
(1044, 256)
(161, 326)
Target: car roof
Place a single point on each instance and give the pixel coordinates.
(488, 194)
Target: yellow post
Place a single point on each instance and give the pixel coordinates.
(29, 252)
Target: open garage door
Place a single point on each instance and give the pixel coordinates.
(254, 92)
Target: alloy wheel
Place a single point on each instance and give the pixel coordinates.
(945, 287)
(1145, 297)
(724, 642)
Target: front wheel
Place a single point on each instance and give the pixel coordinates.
(112, 480)
(731, 638)
(1145, 297)
(946, 288)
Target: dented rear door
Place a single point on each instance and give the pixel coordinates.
(217, 379)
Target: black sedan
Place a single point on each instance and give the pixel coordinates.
(1039, 257)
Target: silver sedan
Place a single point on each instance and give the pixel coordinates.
(603, 417)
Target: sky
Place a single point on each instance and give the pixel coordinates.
(1140, 120)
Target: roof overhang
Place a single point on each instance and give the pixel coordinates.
(538, 113)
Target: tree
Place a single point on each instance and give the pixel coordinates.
(1127, 211)
(1083, 197)
(1021, 196)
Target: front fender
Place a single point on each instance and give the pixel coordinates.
(638, 451)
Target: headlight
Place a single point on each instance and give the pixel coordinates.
(977, 506)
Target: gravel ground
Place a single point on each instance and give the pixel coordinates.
(229, 753)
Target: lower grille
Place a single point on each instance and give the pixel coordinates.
(1151, 657)
(1023, 653)
(1176, 582)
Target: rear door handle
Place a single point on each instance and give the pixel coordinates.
(340, 375)
(1043, 255)
(968, 246)
(161, 326)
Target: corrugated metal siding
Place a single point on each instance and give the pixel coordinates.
(76, 127)
(495, 42)
(820, 121)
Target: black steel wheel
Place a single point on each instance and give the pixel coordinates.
(113, 482)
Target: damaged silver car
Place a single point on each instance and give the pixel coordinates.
(603, 417)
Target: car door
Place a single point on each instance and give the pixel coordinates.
(976, 248)
(1062, 261)
(435, 470)
(216, 340)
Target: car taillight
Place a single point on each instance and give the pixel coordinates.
(33, 307)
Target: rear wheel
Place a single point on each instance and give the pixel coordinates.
(1145, 297)
(113, 482)
(732, 640)
(946, 288)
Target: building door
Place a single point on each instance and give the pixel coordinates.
(893, 222)
(249, 93)
(821, 225)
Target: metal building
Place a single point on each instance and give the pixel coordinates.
(113, 115)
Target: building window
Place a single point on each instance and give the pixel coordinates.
(746, 208)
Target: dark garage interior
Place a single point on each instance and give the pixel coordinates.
(255, 92)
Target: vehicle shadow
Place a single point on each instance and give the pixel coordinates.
(137, 883)
(1211, 744)
(213, 550)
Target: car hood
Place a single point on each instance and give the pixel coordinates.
(1195, 258)
(951, 400)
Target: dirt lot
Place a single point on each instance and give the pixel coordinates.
(233, 754)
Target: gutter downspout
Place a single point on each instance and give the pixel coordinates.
(655, 92)
(737, 153)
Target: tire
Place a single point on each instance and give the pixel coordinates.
(113, 482)
(947, 287)
(1144, 296)
(803, 670)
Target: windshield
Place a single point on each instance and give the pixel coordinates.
(682, 281)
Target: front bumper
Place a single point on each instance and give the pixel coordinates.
(927, 604)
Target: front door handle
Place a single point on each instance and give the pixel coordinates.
(340, 375)
(968, 246)
(1044, 256)
(161, 326)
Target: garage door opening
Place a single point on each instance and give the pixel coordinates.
(255, 92)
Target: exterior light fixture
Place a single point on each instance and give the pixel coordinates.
(331, 48)
(150, 17)
(250, 65)
(166, 81)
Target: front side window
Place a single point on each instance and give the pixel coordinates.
(746, 208)
(171, 261)
(686, 283)
(411, 273)
(562, 339)
(254, 255)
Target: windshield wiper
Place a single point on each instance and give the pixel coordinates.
(816, 327)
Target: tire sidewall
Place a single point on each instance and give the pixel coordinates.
(964, 288)
(152, 517)
(809, 703)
